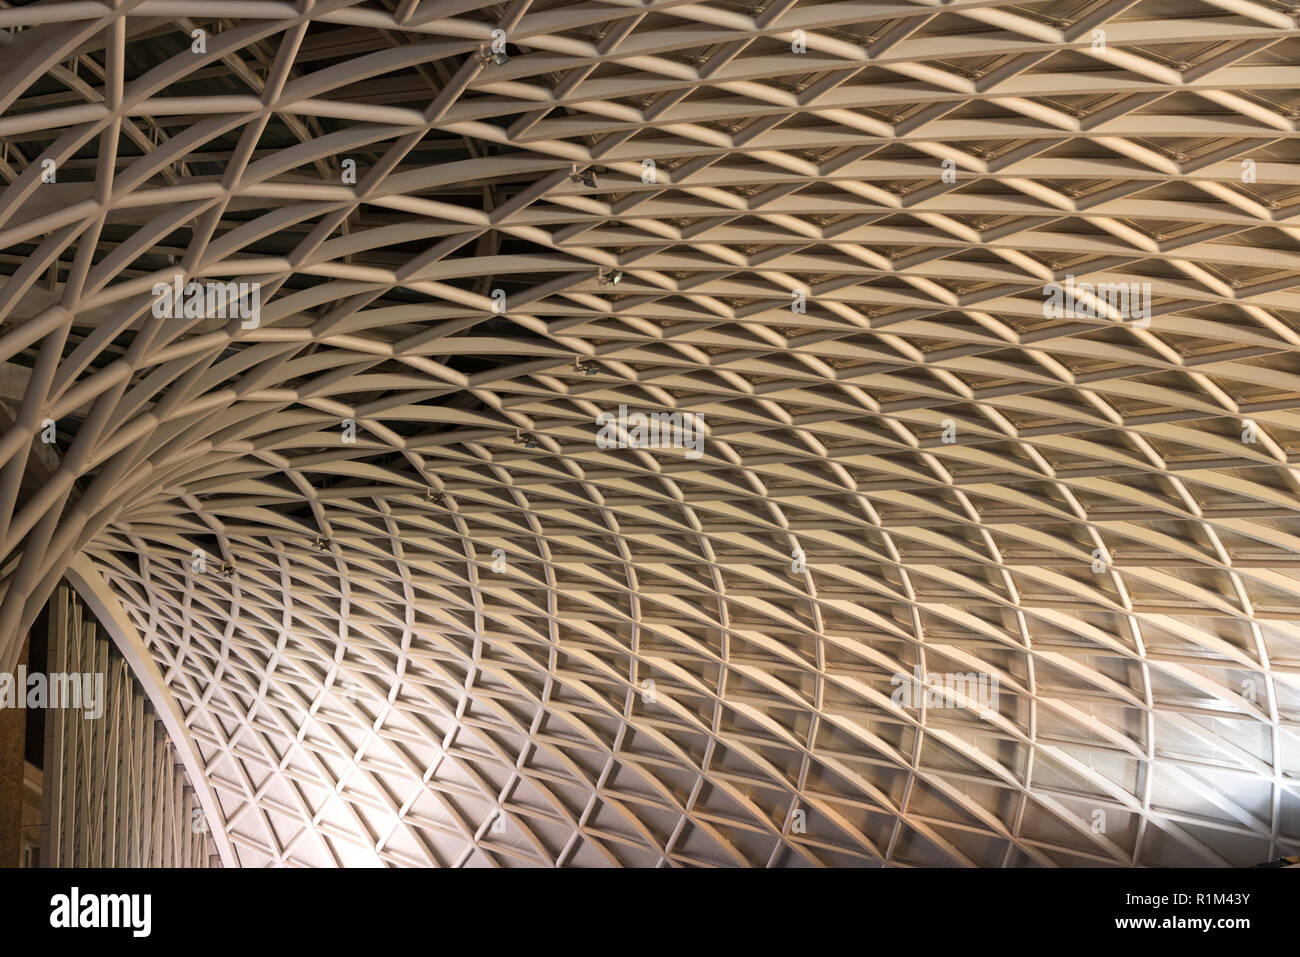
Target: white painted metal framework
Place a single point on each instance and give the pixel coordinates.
(428, 646)
(114, 793)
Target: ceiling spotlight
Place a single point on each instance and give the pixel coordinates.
(497, 57)
(434, 498)
(526, 441)
(583, 366)
(587, 177)
(611, 277)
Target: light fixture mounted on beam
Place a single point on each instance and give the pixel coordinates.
(587, 177)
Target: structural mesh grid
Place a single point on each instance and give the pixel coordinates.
(412, 611)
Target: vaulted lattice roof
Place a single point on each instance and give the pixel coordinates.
(381, 642)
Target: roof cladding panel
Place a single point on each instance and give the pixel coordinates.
(674, 434)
